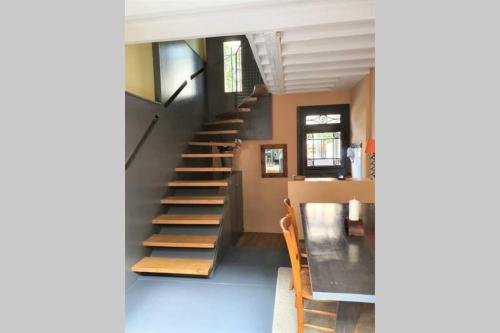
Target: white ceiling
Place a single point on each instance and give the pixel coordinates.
(300, 45)
(317, 58)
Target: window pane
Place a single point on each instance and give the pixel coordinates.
(232, 66)
(319, 119)
(323, 149)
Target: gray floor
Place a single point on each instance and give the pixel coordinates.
(239, 298)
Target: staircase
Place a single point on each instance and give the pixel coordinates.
(189, 232)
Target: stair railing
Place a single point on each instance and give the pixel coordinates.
(239, 96)
(156, 117)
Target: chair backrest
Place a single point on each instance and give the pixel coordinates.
(293, 251)
(290, 211)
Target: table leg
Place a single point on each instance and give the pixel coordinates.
(347, 316)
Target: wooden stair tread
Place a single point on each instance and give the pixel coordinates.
(211, 143)
(320, 328)
(173, 266)
(260, 90)
(190, 241)
(248, 101)
(206, 155)
(187, 219)
(221, 132)
(235, 113)
(203, 169)
(224, 122)
(198, 183)
(188, 200)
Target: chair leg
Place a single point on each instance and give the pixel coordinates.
(300, 314)
(290, 285)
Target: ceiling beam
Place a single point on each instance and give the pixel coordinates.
(300, 91)
(321, 74)
(310, 68)
(326, 31)
(330, 45)
(164, 25)
(310, 86)
(299, 59)
(327, 65)
(307, 81)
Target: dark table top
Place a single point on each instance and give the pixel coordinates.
(342, 268)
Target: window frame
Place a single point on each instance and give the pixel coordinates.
(236, 91)
(344, 127)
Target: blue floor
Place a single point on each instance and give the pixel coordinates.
(239, 298)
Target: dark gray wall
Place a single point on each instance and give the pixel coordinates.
(173, 62)
(138, 119)
(232, 216)
(153, 166)
(258, 124)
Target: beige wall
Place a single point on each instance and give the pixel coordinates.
(263, 197)
(139, 73)
(199, 46)
(139, 77)
(372, 97)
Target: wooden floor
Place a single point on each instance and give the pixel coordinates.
(261, 239)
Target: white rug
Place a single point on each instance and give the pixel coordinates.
(285, 315)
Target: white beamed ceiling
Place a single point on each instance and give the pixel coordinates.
(315, 58)
(299, 45)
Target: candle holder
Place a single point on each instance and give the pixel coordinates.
(354, 228)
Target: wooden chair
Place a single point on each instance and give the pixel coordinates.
(290, 211)
(301, 280)
(300, 245)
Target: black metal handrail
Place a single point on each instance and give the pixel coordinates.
(156, 117)
(175, 94)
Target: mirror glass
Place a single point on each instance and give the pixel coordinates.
(274, 160)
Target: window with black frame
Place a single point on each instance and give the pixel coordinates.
(323, 138)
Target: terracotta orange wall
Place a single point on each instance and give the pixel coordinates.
(262, 197)
(362, 114)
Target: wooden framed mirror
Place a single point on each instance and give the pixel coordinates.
(273, 160)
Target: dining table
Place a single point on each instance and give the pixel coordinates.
(341, 267)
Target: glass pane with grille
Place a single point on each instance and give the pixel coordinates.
(323, 149)
(232, 66)
(320, 119)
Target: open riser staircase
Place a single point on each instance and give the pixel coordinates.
(189, 231)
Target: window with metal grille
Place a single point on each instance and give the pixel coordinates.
(323, 138)
(232, 66)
